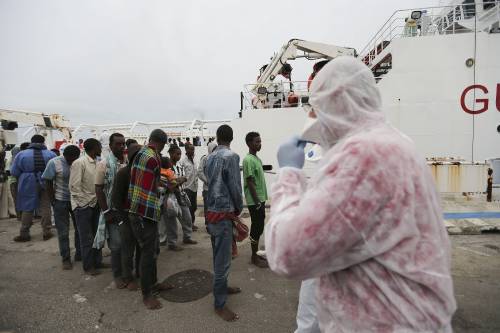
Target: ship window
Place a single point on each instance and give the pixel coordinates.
(383, 67)
(469, 9)
(487, 4)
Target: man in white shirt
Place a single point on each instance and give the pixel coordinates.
(191, 185)
(203, 176)
(84, 203)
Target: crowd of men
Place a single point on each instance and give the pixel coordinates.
(133, 198)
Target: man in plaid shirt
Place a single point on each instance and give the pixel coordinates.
(144, 213)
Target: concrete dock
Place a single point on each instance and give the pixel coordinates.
(36, 295)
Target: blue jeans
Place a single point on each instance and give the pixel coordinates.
(114, 244)
(221, 235)
(62, 213)
(87, 220)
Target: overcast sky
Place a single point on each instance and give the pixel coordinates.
(110, 61)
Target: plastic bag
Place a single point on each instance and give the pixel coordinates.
(172, 206)
(184, 199)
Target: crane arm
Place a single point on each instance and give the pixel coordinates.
(53, 121)
(297, 48)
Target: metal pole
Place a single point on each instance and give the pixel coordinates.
(489, 188)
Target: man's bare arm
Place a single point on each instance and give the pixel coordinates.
(253, 190)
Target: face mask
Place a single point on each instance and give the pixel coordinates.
(311, 131)
(311, 134)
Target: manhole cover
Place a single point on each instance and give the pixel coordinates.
(189, 286)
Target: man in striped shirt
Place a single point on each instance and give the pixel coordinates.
(56, 176)
(144, 213)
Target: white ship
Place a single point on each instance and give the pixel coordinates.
(439, 75)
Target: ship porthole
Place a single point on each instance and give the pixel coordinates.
(469, 62)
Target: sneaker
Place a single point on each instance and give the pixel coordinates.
(22, 238)
(92, 272)
(67, 265)
(175, 248)
(48, 236)
(189, 241)
(259, 262)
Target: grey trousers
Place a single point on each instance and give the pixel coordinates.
(44, 210)
(171, 226)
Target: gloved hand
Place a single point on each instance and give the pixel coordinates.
(291, 153)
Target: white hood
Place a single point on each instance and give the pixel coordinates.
(346, 100)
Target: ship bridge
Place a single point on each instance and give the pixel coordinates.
(459, 17)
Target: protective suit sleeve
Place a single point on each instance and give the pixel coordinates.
(321, 229)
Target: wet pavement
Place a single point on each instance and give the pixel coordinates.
(36, 295)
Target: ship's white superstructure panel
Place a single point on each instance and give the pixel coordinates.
(422, 94)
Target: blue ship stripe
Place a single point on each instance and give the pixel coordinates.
(471, 215)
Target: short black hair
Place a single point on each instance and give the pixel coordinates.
(173, 148)
(91, 144)
(224, 133)
(129, 142)
(37, 138)
(165, 161)
(320, 64)
(159, 136)
(286, 69)
(250, 136)
(115, 135)
(24, 146)
(71, 151)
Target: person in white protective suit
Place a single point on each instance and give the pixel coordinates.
(369, 224)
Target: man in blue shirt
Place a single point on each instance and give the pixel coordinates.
(56, 176)
(224, 204)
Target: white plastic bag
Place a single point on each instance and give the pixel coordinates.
(172, 206)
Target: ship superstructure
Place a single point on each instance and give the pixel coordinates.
(438, 74)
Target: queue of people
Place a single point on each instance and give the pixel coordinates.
(123, 199)
(365, 234)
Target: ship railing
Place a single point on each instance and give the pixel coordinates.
(430, 21)
(271, 95)
(140, 130)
